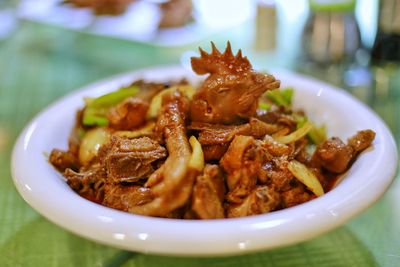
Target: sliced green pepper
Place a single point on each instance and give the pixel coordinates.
(96, 110)
(264, 106)
(317, 135)
(300, 120)
(281, 97)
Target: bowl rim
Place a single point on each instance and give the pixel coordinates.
(193, 237)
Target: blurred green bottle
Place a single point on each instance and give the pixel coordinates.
(331, 34)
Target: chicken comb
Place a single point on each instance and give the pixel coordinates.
(217, 62)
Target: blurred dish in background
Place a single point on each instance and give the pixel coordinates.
(102, 7)
(174, 13)
(160, 22)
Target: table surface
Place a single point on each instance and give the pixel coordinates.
(39, 64)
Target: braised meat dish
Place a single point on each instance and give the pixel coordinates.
(173, 13)
(231, 146)
(103, 7)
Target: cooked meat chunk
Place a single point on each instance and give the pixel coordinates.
(88, 183)
(264, 173)
(277, 116)
(234, 158)
(248, 163)
(129, 114)
(259, 128)
(216, 134)
(275, 172)
(244, 179)
(123, 197)
(280, 176)
(295, 196)
(214, 152)
(361, 140)
(333, 155)
(216, 138)
(231, 92)
(208, 194)
(275, 148)
(287, 121)
(63, 160)
(128, 160)
(175, 182)
(261, 199)
(242, 162)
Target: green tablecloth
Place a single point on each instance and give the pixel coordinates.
(39, 64)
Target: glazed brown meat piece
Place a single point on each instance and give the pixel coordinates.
(231, 92)
(333, 155)
(241, 175)
(234, 158)
(214, 152)
(295, 196)
(275, 148)
(279, 175)
(242, 163)
(62, 160)
(215, 138)
(128, 160)
(244, 180)
(89, 183)
(262, 199)
(361, 140)
(123, 197)
(209, 193)
(173, 184)
(274, 170)
(129, 114)
(215, 134)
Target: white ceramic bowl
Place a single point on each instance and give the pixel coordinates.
(46, 191)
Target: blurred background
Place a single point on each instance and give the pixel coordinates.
(51, 47)
(352, 44)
